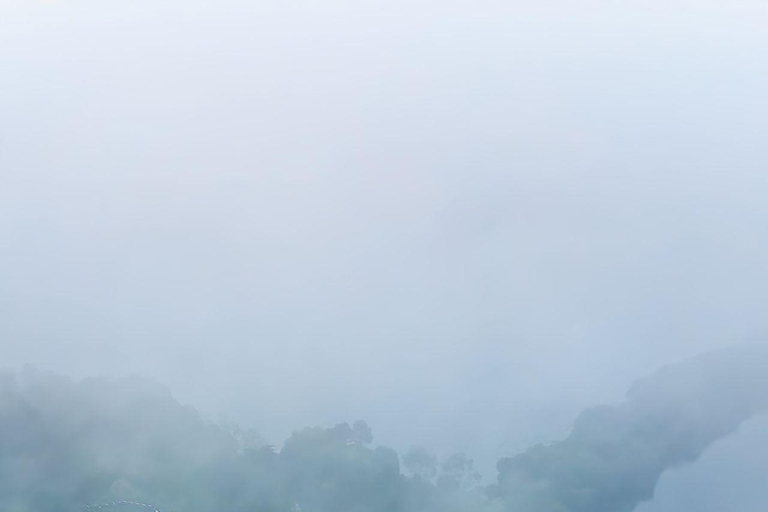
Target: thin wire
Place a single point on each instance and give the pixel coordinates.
(111, 504)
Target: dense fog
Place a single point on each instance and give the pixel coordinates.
(465, 223)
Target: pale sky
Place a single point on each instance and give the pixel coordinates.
(460, 221)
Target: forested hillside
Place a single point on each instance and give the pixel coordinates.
(65, 445)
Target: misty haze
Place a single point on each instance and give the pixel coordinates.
(363, 256)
